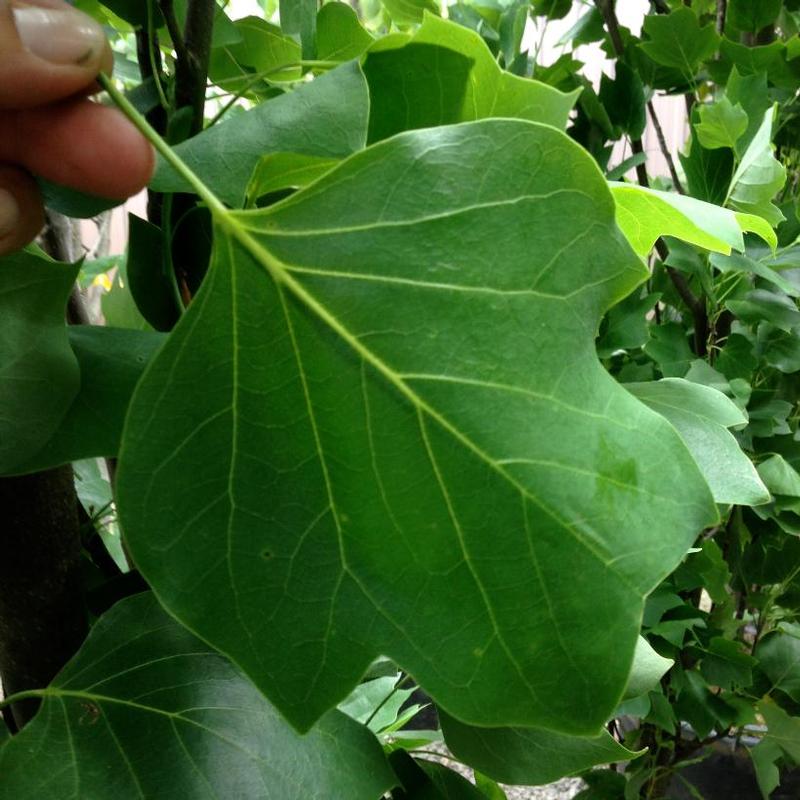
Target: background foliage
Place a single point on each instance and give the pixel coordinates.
(417, 374)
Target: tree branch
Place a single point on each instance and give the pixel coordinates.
(191, 71)
(168, 11)
(662, 144)
(722, 11)
(695, 305)
(42, 616)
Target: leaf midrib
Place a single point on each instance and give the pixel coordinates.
(281, 275)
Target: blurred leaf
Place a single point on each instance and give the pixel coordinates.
(409, 12)
(334, 106)
(470, 84)
(113, 725)
(626, 325)
(340, 35)
(701, 415)
(724, 664)
(779, 476)
(39, 373)
(647, 670)
(752, 15)
(678, 40)
(721, 124)
(778, 654)
(759, 177)
(111, 361)
(529, 756)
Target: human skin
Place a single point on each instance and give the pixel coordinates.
(50, 55)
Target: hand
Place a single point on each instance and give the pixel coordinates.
(50, 55)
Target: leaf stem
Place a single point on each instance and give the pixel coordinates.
(28, 694)
(214, 204)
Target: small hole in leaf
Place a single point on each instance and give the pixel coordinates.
(266, 554)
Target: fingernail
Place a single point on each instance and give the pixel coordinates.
(61, 36)
(9, 213)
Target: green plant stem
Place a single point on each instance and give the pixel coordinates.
(206, 195)
(151, 55)
(28, 694)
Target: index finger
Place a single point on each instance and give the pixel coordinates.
(48, 51)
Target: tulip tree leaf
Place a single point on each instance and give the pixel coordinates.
(759, 177)
(339, 397)
(470, 85)
(753, 15)
(779, 657)
(721, 124)
(702, 415)
(409, 12)
(645, 214)
(340, 35)
(39, 374)
(111, 361)
(335, 107)
(678, 40)
(529, 756)
(647, 670)
(145, 709)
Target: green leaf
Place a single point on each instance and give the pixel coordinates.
(410, 12)
(701, 415)
(646, 214)
(624, 99)
(429, 780)
(779, 476)
(669, 348)
(724, 664)
(749, 92)
(708, 172)
(263, 48)
(277, 171)
(778, 654)
(647, 670)
(152, 289)
(111, 361)
(752, 15)
(300, 17)
(145, 709)
(766, 755)
(39, 374)
(529, 756)
(721, 124)
(678, 40)
(759, 176)
(335, 106)
(469, 83)
(375, 703)
(73, 203)
(340, 35)
(762, 305)
(783, 733)
(552, 9)
(604, 784)
(135, 11)
(626, 326)
(314, 357)
(737, 262)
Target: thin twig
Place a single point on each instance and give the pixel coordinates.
(175, 33)
(662, 144)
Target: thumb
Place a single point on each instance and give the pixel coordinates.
(48, 51)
